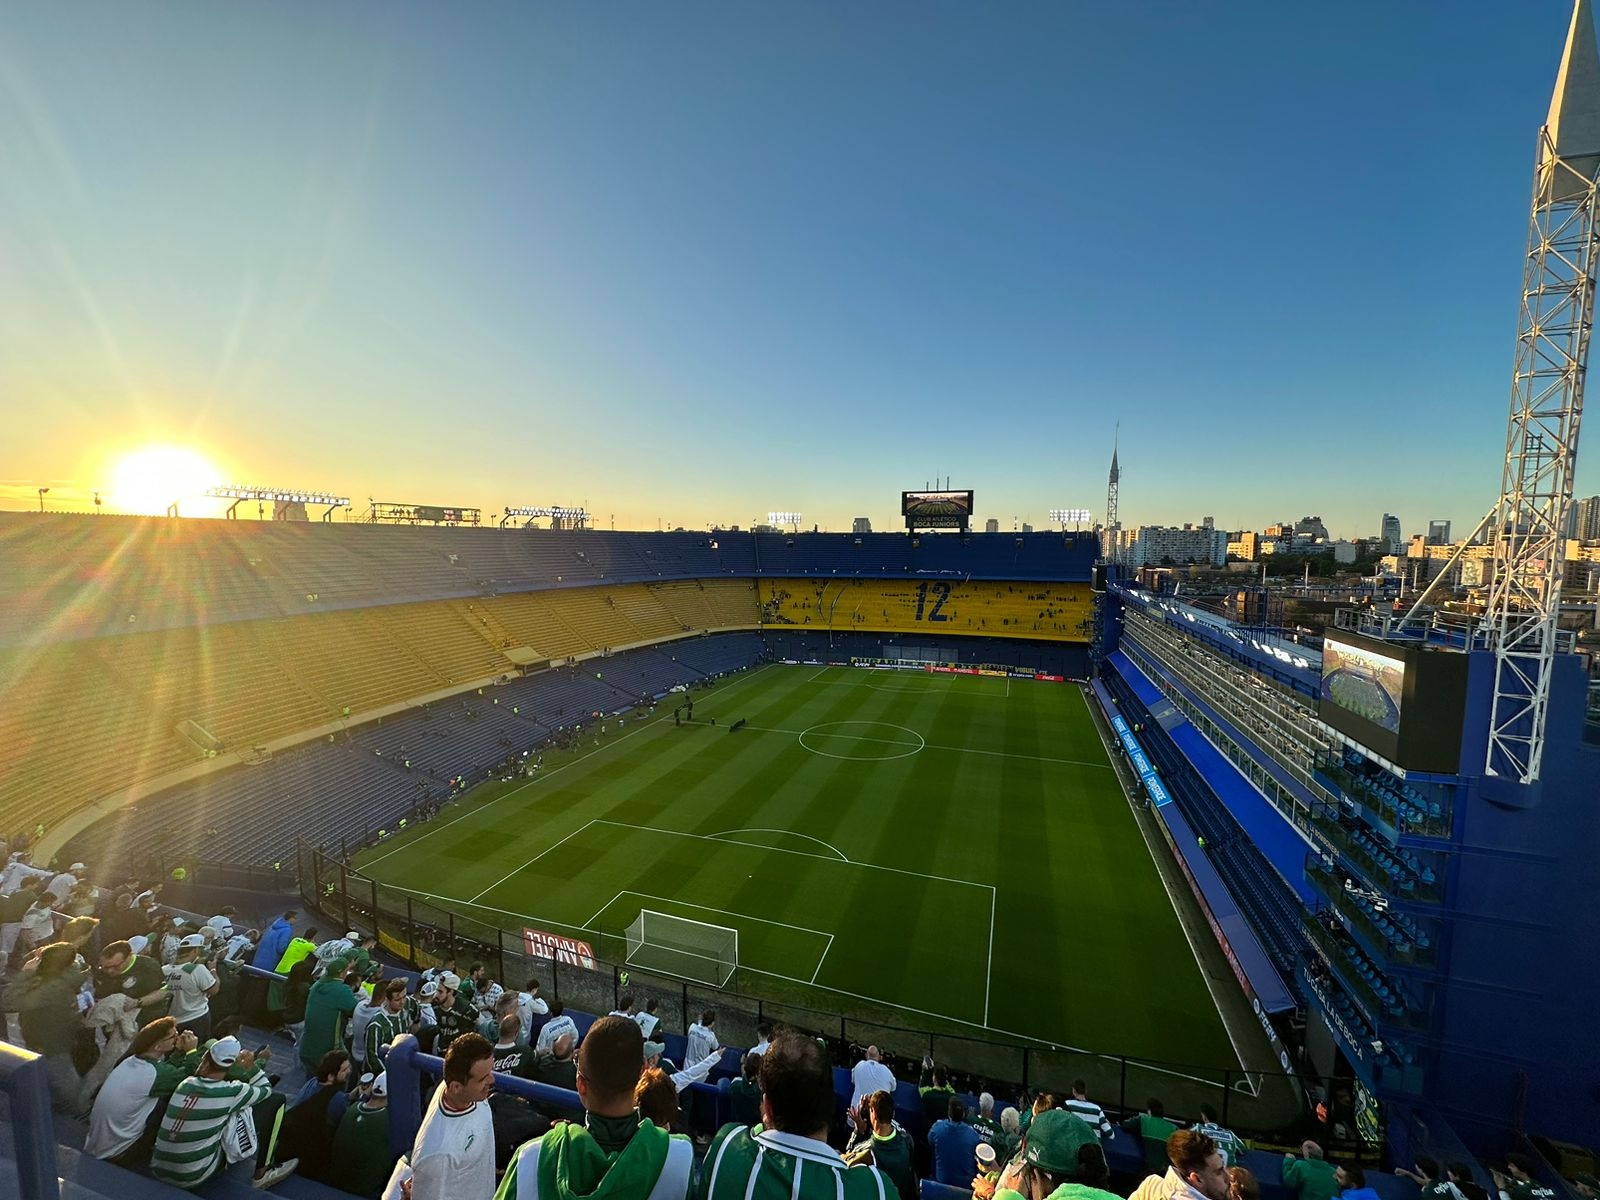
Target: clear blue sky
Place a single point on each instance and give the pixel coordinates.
(695, 261)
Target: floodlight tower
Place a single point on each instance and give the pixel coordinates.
(1529, 523)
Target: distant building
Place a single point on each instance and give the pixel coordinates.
(1438, 533)
(1587, 526)
(1151, 545)
(1311, 528)
(1389, 535)
(861, 525)
(1026, 528)
(992, 525)
(1245, 545)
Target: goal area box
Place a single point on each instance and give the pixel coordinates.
(692, 950)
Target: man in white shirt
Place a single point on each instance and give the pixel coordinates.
(453, 1156)
(63, 883)
(764, 1032)
(558, 1024)
(192, 985)
(530, 1005)
(870, 1075)
(626, 1008)
(335, 948)
(701, 1040)
(648, 1021)
(19, 869)
(240, 944)
(695, 1072)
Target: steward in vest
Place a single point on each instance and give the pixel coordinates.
(788, 1156)
(614, 1155)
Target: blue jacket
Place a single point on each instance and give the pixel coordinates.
(273, 943)
(954, 1149)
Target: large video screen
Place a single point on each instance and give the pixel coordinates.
(1364, 682)
(936, 510)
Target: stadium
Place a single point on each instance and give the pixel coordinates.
(978, 831)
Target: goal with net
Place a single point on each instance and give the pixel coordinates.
(688, 949)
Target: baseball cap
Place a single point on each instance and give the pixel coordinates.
(651, 1049)
(225, 1051)
(380, 1085)
(192, 941)
(77, 867)
(450, 980)
(137, 943)
(353, 936)
(429, 989)
(1054, 1139)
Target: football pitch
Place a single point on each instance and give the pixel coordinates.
(952, 851)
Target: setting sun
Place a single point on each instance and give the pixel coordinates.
(151, 479)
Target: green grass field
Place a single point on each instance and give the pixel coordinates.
(956, 848)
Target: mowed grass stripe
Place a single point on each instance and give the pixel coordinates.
(1086, 948)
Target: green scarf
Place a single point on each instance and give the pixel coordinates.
(572, 1166)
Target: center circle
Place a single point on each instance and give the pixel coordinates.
(879, 748)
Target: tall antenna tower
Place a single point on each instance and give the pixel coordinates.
(1529, 523)
(1111, 499)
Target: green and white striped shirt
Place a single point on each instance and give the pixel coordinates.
(382, 1029)
(188, 1148)
(763, 1164)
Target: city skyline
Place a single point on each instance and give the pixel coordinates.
(693, 268)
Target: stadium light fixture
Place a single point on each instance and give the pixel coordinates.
(577, 516)
(784, 518)
(276, 495)
(1070, 516)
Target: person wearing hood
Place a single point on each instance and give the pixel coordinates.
(613, 1155)
(1053, 1163)
(1197, 1171)
(274, 942)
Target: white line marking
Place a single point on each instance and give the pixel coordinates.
(727, 912)
(820, 961)
(650, 723)
(701, 837)
(820, 673)
(824, 730)
(1074, 762)
(727, 835)
(1172, 897)
(529, 863)
(988, 971)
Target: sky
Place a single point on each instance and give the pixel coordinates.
(690, 263)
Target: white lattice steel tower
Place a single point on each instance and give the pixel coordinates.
(1113, 533)
(1546, 409)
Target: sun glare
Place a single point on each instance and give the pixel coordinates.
(151, 479)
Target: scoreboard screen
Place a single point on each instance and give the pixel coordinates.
(936, 510)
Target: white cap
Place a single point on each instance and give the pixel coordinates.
(191, 941)
(380, 1085)
(429, 989)
(77, 867)
(366, 1078)
(225, 1051)
(353, 936)
(450, 980)
(137, 943)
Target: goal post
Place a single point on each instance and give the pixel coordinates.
(695, 950)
